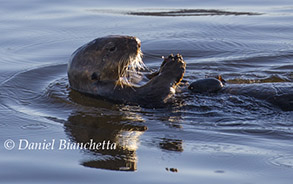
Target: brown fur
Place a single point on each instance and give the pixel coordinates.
(100, 68)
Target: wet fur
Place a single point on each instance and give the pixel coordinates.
(101, 68)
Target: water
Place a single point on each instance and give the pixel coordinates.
(200, 139)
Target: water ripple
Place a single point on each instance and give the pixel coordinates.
(190, 12)
(282, 161)
(175, 12)
(34, 126)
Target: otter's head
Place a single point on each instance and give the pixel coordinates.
(104, 60)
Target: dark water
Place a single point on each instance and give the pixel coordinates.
(200, 139)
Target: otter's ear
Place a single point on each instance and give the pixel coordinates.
(95, 76)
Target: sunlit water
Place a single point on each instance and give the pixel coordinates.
(216, 138)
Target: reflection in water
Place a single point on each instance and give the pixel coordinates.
(83, 128)
(172, 169)
(171, 145)
(120, 128)
(100, 120)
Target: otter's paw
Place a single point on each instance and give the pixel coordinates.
(173, 67)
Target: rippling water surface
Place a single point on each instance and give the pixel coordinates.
(216, 138)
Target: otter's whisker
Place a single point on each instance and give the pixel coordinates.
(127, 65)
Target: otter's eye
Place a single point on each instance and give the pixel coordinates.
(94, 76)
(113, 49)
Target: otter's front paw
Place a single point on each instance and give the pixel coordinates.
(173, 67)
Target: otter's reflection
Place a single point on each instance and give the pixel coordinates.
(84, 128)
(171, 144)
(105, 122)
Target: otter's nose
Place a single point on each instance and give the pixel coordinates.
(135, 42)
(138, 42)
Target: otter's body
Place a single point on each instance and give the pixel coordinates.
(102, 68)
(279, 94)
(105, 68)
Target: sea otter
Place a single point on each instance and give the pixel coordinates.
(108, 67)
(105, 68)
